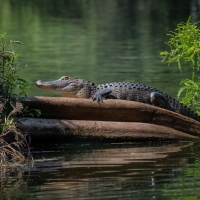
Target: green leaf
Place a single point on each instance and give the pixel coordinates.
(164, 53)
(18, 42)
(2, 35)
(7, 58)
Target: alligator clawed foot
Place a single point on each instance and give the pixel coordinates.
(100, 94)
(97, 97)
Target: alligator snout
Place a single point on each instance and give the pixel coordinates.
(38, 83)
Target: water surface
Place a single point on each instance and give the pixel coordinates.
(108, 171)
(101, 41)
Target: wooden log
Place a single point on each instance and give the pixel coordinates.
(111, 110)
(54, 128)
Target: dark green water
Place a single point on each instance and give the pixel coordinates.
(107, 171)
(101, 41)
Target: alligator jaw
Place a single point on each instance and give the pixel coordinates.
(68, 88)
(49, 85)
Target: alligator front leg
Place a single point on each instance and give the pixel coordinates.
(105, 93)
(160, 100)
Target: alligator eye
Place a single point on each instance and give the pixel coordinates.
(64, 78)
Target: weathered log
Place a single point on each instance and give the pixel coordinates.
(112, 110)
(54, 128)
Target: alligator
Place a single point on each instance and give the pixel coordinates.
(79, 88)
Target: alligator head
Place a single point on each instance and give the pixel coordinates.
(67, 86)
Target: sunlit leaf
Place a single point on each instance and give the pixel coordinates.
(18, 42)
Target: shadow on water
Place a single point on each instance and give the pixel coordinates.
(162, 170)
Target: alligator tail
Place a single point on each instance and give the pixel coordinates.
(180, 108)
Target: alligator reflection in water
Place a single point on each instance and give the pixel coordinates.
(126, 170)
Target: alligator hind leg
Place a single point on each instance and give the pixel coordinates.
(160, 100)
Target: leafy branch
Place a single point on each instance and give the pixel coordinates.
(184, 44)
(9, 80)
